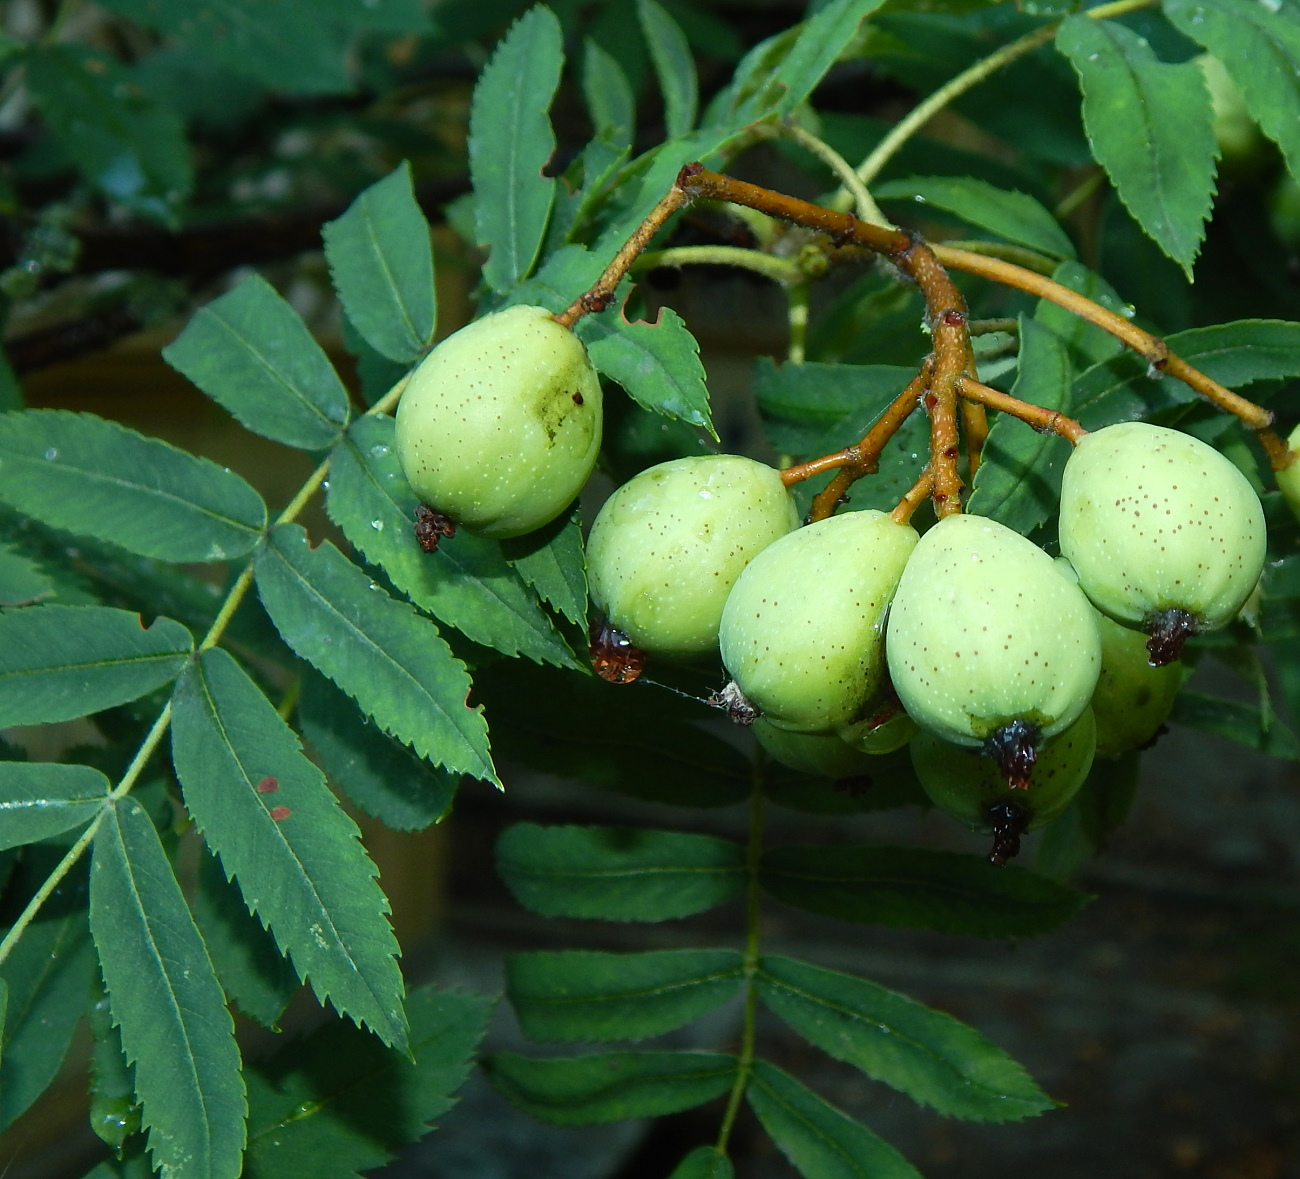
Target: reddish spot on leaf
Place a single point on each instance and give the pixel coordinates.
(280, 812)
(268, 785)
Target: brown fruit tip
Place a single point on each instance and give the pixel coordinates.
(432, 526)
(1169, 631)
(1009, 823)
(732, 701)
(613, 657)
(1015, 748)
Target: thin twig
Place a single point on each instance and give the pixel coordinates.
(914, 498)
(975, 426)
(1045, 421)
(862, 200)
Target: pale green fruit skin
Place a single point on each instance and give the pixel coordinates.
(985, 630)
(965, 784)
(1153, 519)
(803, 630)
(1288, 479)
(499, 427)
(1133, 699)
(667, 546)
(821, 754)
(896, 732)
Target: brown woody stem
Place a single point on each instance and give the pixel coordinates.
(915, 497)
(975, 425)
(1280, 456)
(1046, 421)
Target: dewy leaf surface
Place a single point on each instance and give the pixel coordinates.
(40, 799)
(618, 873)
(933, 1058)
(820, 1140)
(381, 262)
(253, 355)
(674, 67)
(266, 811)
(92, 477)
(574, 995)
(510, 141)
(1150, 126)
(378, 650)
(175, 1027)
(62, 662)
(338, 1102)
(465, 583)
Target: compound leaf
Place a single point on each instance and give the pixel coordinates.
(618, 873)
(176, 1030)
(40, 799)
(378, 650)
(266, 811)
(252, 354)
(92, 477)
(381, 262)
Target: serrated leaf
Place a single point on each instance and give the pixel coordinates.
(579, 1090)
(1091, 343)
(821, 1141)
(658, 364)
(1150, 124)
(933, 1058)
(252, 972)
(704, 1162)
(918, 889)
(510, 141)
(114, 1111)
(378, 650)
(608, 95)
(265, 810)
(618, 873)
(803, 404)
(1259, 47)
(1234, 354)
(22, 580)
(380, 775)
(48, 977)
(176, 1030)
(1238, 722)
(381, 263)
(618, 739)
(253, 355)
(338, 1102)
(572, 995)
(1019, 477)
(40, 799)
(465, 583)
(62, 662)
(551, 561)
(128, 145)
(1011, 215)
(93, 477)
(674, 67)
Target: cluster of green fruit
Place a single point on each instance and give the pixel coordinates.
(1004, 670)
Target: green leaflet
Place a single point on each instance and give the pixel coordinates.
(1011, 215)
(1087, 342)
(510, 140)
(114, 1111)
(608, 95)
(378, 650)
(1238, 722)
(176, 1030)
(250, 968)
(552, 562)
(924, 1053)
(125, 143)
(1150, 126)
(578, 1090)
(338, 1102)
(253, 355)
(618, 873)
(61, 662)
(265, 810)
(918, 889)
(704, 1162)
(1260, 49)
(1019, 477)
(40, 799)
(381, 263)
(465, 583)
(574, 995)
(674, 67)
(92, 477)
(380, 775)
(820, 1140)
(658, 363)
(22, 580)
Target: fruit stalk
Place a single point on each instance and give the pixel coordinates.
(1045, 421)
(916, 495)
(975, 426)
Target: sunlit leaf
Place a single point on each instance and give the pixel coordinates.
(40, 799)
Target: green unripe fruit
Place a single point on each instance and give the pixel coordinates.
(877, 735)
(1288, 479)
(668, 545)
(972, 788)
(987, 635)
(1133, 699)
(499, 427)
(803, 630)
(1165, 533)
(821, 754)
